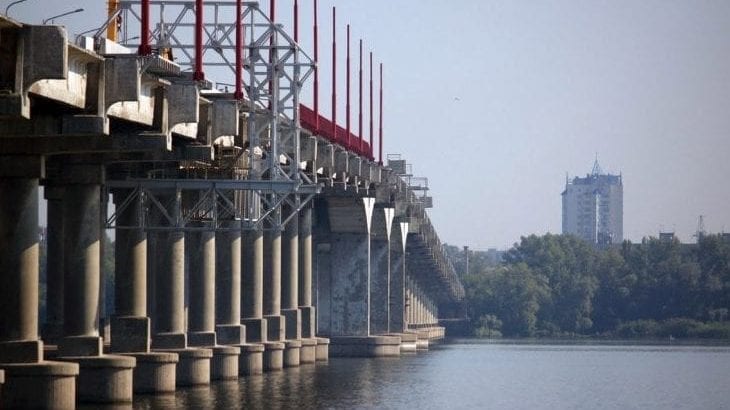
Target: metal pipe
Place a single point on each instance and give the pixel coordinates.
(334, 76)
(198, 74)
(238, 94)
(61, 15)
(347, 107)
(144, 36)
(296, 21)
(359, 111)
(371, 105)
(380, 143)
(316, 70)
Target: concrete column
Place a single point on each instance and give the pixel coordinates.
(252, 297)
(290, 290)
(168, 256)
(276, 326)
(380, 270)
(81, 271)
(252, 292)
(307, 311)
(53, 328)
(19, 263)
(29, 380)
(102, 378)
(201, 257)
(272, 284)
(130, 327)
(228, 285)
(397, 275)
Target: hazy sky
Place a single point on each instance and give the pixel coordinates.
(494, 101)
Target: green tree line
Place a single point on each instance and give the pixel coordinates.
(558, 285)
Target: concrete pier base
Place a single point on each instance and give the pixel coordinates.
(251, 360)
(224, 365)
(104, 379)
(273, 356)
(408, 342)
(422, 342)
(256, 329)
(323, 349)
(308, 354)
(276, 326)
(46, 385)
(364, 346)
(193, 367)
(292, 353)
(155, 372)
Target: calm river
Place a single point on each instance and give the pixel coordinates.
(473, 375)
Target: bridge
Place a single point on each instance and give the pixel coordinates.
(251, 232)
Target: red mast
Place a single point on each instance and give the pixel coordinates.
(347, 108)
(316, 71)
(334, 76)
(380, 144)
(198, 74)
(359, 111)
(144, 43)
(371, 105)
(296, 21)
(239, 52)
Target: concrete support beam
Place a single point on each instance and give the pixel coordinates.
(252, 293)
(290, 290)
(200, 256)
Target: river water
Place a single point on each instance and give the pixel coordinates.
(470, 374)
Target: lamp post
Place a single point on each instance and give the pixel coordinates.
(12, 4)
(79, 10)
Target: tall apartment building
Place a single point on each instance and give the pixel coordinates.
(593, 207)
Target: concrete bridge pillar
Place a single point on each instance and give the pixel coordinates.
(252, 297)
(130, 325)
(30, 381)
(167, 255)
(398, 318)
(274, 346)
(228, 296)
(53, 327)
(310, 345)
(102, 378)
(290, 290)
(201, 255)
(381, 302)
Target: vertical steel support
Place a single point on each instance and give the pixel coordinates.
(316, 69)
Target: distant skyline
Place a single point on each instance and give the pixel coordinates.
(494, 101)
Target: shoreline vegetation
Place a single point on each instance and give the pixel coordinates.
(559, 287)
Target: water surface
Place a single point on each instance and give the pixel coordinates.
(472, 374)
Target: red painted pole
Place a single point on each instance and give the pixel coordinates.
(272, 10)
(359, 111)
(144, 36)
(296, 21)
(334, 76)
(198, 74)
(371, 105)
(380, 143)
(347, 108)
(316, 70)
(239, 52)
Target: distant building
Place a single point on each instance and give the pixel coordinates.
(593, 207)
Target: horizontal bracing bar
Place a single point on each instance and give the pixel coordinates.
(264, 186)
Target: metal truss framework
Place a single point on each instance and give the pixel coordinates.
(276, 69)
